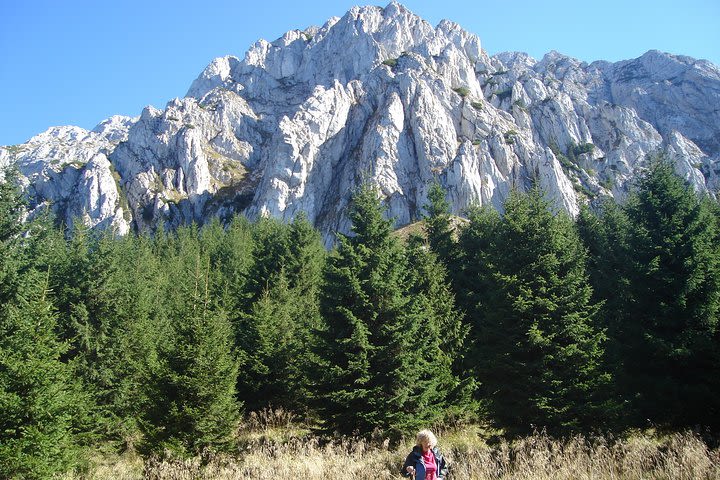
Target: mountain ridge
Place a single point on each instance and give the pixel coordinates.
(379, 94)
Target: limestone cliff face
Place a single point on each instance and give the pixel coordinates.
(67, 168)
(380, 95)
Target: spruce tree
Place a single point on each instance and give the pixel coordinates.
(674, 300)
(438, 226)
(39, 400)
(268, 341)
(70, 280)
(12, 204)
(231, 255)
(304, 275)
(271, 254)
(538, 351)
(191, 405)
(605, 233)
(379, 352)
(473, 276)
(443, 331)
(11, 257)
(126, 324)
(276, 334)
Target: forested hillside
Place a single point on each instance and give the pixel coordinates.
(521, 320)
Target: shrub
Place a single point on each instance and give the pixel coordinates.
(582, 189)
(565, 162)
(477, 105)
(391, 62)
(462, 91)
(503, 94)
(576, 150)
(14, 149)
(569, 158)
(608, 183)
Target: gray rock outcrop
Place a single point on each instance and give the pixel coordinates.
(380, 95)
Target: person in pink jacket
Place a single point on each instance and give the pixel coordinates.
(425, 462)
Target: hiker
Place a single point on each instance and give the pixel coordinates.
(425, 462)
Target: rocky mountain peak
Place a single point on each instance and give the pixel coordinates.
(344, 49)
(380, 94)
(115, 129)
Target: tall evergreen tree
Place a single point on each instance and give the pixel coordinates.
(605, 233)
(38, 397)
(126, 324)
(11, 208)
(379, 353)
(269, 343)
(276, 333)
(441, 325)
(231, 255)
(70, 279)
(192, 406)
(473, 278)
(438, 226)
(271, 254)
(12, 204)
(538, 350)
(674, 301)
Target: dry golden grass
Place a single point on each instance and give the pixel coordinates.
(274, 447)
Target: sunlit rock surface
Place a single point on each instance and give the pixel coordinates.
(381, 95)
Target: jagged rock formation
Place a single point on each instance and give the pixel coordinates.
(67, 168)
(380, 94)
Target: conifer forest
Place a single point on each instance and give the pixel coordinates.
(522, 321)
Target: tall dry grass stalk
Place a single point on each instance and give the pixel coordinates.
(272, 451)
(682, 456)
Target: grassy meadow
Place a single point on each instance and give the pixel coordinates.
(275, 447)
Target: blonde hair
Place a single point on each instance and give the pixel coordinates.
(426, 436)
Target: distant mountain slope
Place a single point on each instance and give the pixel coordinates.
(380, 94)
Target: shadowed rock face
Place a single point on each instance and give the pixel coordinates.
(381, 95)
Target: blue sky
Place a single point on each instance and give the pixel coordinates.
(76, 62)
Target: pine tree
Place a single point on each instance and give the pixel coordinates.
(306, 256)
(271, 254)
(70, 280)
(379, 353)
(473, 278)
(268, 340)
(674, 300)
(38, 398)
(605, 234)
(538, 350)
